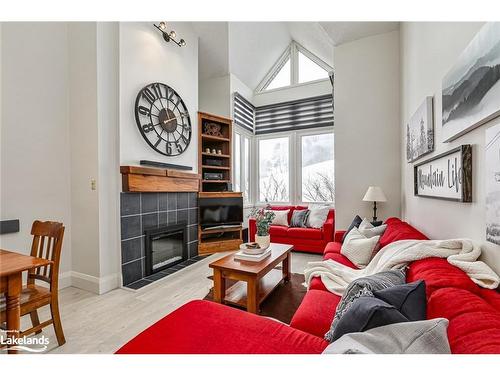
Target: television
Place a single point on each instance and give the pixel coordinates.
(216, 212)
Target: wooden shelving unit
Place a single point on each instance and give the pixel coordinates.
(222, 143)
(223, 239)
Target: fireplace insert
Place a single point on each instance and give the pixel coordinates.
(165, 247)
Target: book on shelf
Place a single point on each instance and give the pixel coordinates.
(240, 255)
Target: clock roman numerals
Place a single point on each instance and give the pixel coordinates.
(144, 111)
(163, 119)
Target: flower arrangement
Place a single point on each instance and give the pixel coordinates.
(263, 219)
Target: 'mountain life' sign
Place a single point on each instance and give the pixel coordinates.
(446, 176)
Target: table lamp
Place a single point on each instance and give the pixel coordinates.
(374, 194)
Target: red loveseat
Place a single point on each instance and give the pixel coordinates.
(206, 327)
(309, 240)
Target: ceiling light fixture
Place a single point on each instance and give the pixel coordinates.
(169, 36)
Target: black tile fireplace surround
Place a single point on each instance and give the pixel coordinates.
(150, 211)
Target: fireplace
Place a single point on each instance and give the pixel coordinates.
(166, 247)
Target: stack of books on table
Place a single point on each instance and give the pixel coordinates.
(240, 255)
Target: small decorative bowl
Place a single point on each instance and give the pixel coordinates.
(252, 250)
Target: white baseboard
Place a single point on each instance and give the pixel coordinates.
(64, 280)
(97, 285)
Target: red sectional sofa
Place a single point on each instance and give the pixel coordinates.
(310, 240)
(207, 327)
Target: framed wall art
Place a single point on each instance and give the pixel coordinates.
(420, 132)
(446, 176)
(471, 89)
(492, 158)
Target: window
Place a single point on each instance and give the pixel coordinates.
(317, 168)
(241, 164)
(246, 174)
(282, 79)
(274, 178)
(296, 167)
(296, 65)
(237, 162)
(309, 70)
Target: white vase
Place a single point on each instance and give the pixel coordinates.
(263, 241)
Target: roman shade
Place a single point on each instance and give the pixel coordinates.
(307, 113)
(243, 113)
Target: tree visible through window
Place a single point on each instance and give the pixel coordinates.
(317, 168)
(274, 170)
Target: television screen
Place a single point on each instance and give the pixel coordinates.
(221, 211)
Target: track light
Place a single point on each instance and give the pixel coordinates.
(169, 36)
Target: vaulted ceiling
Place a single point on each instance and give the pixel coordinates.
(249, 49)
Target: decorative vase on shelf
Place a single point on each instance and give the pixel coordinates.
(263, 241)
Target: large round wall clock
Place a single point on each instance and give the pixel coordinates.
(163, 119)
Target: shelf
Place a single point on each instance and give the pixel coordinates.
(208, 231)
(237, 293)
(214, 138)
(215, 181)
(215, 155)
(215, 167)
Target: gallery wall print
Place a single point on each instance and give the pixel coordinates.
(420, 132)
(492, 158)
(446, 176)
(471, 89)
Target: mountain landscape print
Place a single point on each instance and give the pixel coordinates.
(492, 149)
(471, 89)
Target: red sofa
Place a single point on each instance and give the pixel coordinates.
(309, 240)
(207, 327)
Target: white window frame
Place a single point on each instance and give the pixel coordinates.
(291, 155)
(300, 134)
(291, 52)
(294, 163)
(243, 133)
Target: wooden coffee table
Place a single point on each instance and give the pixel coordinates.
(256, 280)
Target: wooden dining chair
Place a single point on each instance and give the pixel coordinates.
(47, 244)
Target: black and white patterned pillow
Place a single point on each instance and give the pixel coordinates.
(299, 218)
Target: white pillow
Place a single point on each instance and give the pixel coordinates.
(358, 248)
(368, 230)
(280, 217)
(317, 216)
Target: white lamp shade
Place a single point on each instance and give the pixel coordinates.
(374, 194)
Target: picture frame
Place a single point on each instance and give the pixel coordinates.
(492, 181)
(447, 176)
(420, 131)
(470, 90)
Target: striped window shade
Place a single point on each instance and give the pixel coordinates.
(243, 113)
(307, 113)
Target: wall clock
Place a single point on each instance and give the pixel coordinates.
(163, 119)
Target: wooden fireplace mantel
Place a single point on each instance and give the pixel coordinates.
(149, 179)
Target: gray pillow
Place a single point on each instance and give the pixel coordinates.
(420, 337)
(364, 287)
(367, 313)
(299, 218)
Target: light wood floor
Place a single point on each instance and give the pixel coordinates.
(102, 324)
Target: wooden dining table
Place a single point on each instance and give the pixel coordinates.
(12, 266)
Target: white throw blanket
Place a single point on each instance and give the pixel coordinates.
(461, 253)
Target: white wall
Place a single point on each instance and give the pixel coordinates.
(109, 180)
(367, 126)
(214, 96)
(145, 58)
(84, 157)
(428, 51)
(35, 141)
